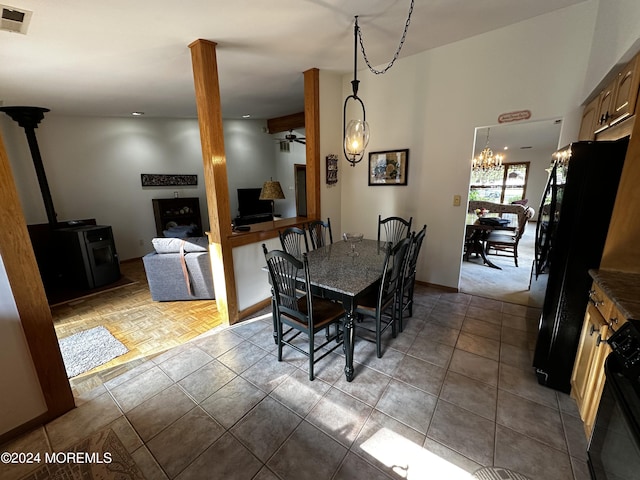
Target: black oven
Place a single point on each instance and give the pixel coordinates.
(614, 448)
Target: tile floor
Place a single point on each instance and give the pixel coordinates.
(453, 392)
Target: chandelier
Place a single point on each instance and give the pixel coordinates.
(356, 131)
(486, 160)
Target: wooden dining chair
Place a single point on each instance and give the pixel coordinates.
(409, 275)
(382, 306)
(395, 228)
(505, 243)
(294, 241)
(295, 314)
(320, 233)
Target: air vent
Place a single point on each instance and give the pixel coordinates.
(14, 20)
(284, 146)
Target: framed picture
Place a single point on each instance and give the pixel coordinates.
(389, 167)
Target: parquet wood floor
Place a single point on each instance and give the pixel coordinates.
(145, 327)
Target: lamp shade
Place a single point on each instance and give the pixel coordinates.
(271, 191)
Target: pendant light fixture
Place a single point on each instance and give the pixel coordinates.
(356, 132)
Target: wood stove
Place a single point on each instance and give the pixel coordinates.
(76, 254)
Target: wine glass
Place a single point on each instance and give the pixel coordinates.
(353, 239)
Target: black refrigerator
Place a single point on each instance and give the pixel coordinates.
(573, 221)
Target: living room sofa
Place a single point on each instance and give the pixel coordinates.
(179, 269)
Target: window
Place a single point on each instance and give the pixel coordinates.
(504, 184)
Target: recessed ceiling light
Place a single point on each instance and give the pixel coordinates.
(246, 116)
(137, 114)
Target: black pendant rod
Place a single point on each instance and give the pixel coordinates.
(29, 118)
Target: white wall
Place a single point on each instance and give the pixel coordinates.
(331, 144)
(615, 40)
(250, 156)
(284, 171)
(21, 399)
(93, 166)
(431, 103)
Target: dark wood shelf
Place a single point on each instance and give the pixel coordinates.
(181, 211)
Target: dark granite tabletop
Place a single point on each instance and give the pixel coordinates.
(623, 288)
(333, 268)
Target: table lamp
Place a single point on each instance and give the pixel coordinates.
(271, 191)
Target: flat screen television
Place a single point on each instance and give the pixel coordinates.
(249, 202)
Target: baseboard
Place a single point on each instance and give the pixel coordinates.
(254, 308)
(439, 287)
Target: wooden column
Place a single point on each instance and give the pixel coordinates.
(312, 135)
(205, 76)
(30, 298)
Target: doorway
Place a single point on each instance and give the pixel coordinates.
(531, 144)
(300, 175)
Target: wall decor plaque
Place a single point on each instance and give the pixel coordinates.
(161, 180)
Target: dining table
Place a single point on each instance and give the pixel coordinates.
(476, 235)
(345, 272)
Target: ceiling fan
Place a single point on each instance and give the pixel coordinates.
(292, 137)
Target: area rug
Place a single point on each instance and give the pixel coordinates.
(86, 350)
(98, 457)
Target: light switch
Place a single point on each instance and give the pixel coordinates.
(456, 200)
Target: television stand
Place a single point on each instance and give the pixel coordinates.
(251, 219)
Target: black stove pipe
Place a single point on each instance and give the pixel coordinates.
(29, 118)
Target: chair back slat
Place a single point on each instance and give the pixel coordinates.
(392, 274)
(414, 251)
(283, 270)
(294, 241)
(395, 228)
(320, 233)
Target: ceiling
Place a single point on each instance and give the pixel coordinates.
(113, 58)
(541, 136)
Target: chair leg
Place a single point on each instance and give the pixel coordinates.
(273, 315)
(394, 317)
(279, 340)
(515, 256)
(378, 336)
(311, 352)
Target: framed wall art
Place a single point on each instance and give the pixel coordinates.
(332, 169)
(389, 167)
(159, 180)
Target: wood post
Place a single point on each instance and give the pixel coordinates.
(30, 298)
(205, 75)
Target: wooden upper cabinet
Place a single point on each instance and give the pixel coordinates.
(605, 107)
(588, 124)
(618, 100)
(626, 91)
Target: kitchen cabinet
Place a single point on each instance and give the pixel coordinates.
(176, 212)
(588, 124)
(602, 318)
(626, 91)
(615, 102)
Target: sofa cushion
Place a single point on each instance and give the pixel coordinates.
(172, 245)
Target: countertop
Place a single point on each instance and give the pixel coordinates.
(623, 288)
